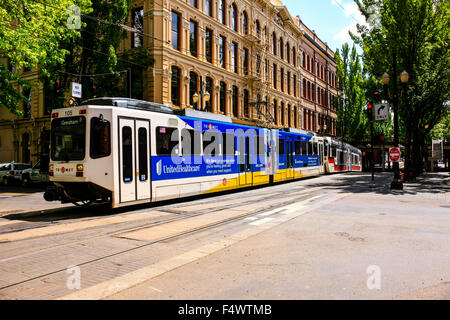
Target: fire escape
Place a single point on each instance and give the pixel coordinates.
(259, 78)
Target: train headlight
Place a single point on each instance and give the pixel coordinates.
(80, 167)
(50, 170)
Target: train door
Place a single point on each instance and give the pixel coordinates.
(245, 166)
(134, 159)
(289, 158)
(321, 151)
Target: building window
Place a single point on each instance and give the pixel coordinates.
(209, 7)
(209, 45)
(244, 23)
(275, 111)
(193, 37)
(295, 85)
(223, 96)
(282, 79)
(246, 109)
(209, 89)
(275, 76)
(137, 16)
(288, 53)
(295, 117)
(289, 115)
(304, 88)
(176, 27)
(176, 85)
(281, 48)
(27, 105)
(222, 51)
(235, 101)
(289, 83)
(222, 12)
(194, 3)
(246, 54)
(234, 57)
(282, 113)
(258, 29)
(274, 44)
(294, 56)
(193, 89)
(234, 17)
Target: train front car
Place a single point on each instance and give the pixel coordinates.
(80, 154)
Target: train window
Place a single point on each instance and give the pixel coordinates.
(166, 141)
(298, 147)
(228, 144)
(333, 152)
(315, 152)
(100, 138)
(325, 148)
(127, 154)
(211, 143)
(281, 147)
(143, 157)
(190, 142)
(304, 148)
(260, 145)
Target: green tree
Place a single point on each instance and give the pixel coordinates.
(413, 35)
(93, 58)
(352, 123)
(31, 32)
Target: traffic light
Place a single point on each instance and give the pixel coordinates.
(370, 111)
(377, 95)
(58, 88)
(94, 88)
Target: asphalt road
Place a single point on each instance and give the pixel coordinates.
(329, 237)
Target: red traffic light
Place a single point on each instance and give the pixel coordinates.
(381, 137)
(369, 106)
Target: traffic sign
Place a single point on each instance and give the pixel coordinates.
(394, 154)
(76, 90)
(381, 111)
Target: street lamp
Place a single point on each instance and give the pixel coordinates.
(203, 95)
(396, 184)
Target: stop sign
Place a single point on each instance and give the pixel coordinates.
(394, 154)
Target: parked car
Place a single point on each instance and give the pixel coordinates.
(12, 172)
(37, 174)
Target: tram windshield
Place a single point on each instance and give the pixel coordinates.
(68, 138)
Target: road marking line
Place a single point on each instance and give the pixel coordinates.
(126, 281)
(262, 221)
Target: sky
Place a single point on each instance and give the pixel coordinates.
(331, 19)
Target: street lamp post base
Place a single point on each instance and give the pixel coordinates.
(396, 185)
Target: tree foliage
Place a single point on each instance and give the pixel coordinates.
(413, 34)
(31, 32)
(352, 123)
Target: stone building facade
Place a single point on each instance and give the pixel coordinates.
(259, 65)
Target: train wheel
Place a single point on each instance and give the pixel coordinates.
(84, 203)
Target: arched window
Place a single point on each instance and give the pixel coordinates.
(209, 89)
(258, 29)
(234, 17)
(275, 110)
(288, 52)
(274, 44)
(235, 101)
(289, 115)
(223, 96)
(244, 23)
(175, 85)
(246, 98)
(281, 48)
(193, 89)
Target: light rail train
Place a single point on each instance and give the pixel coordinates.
(128, 151)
